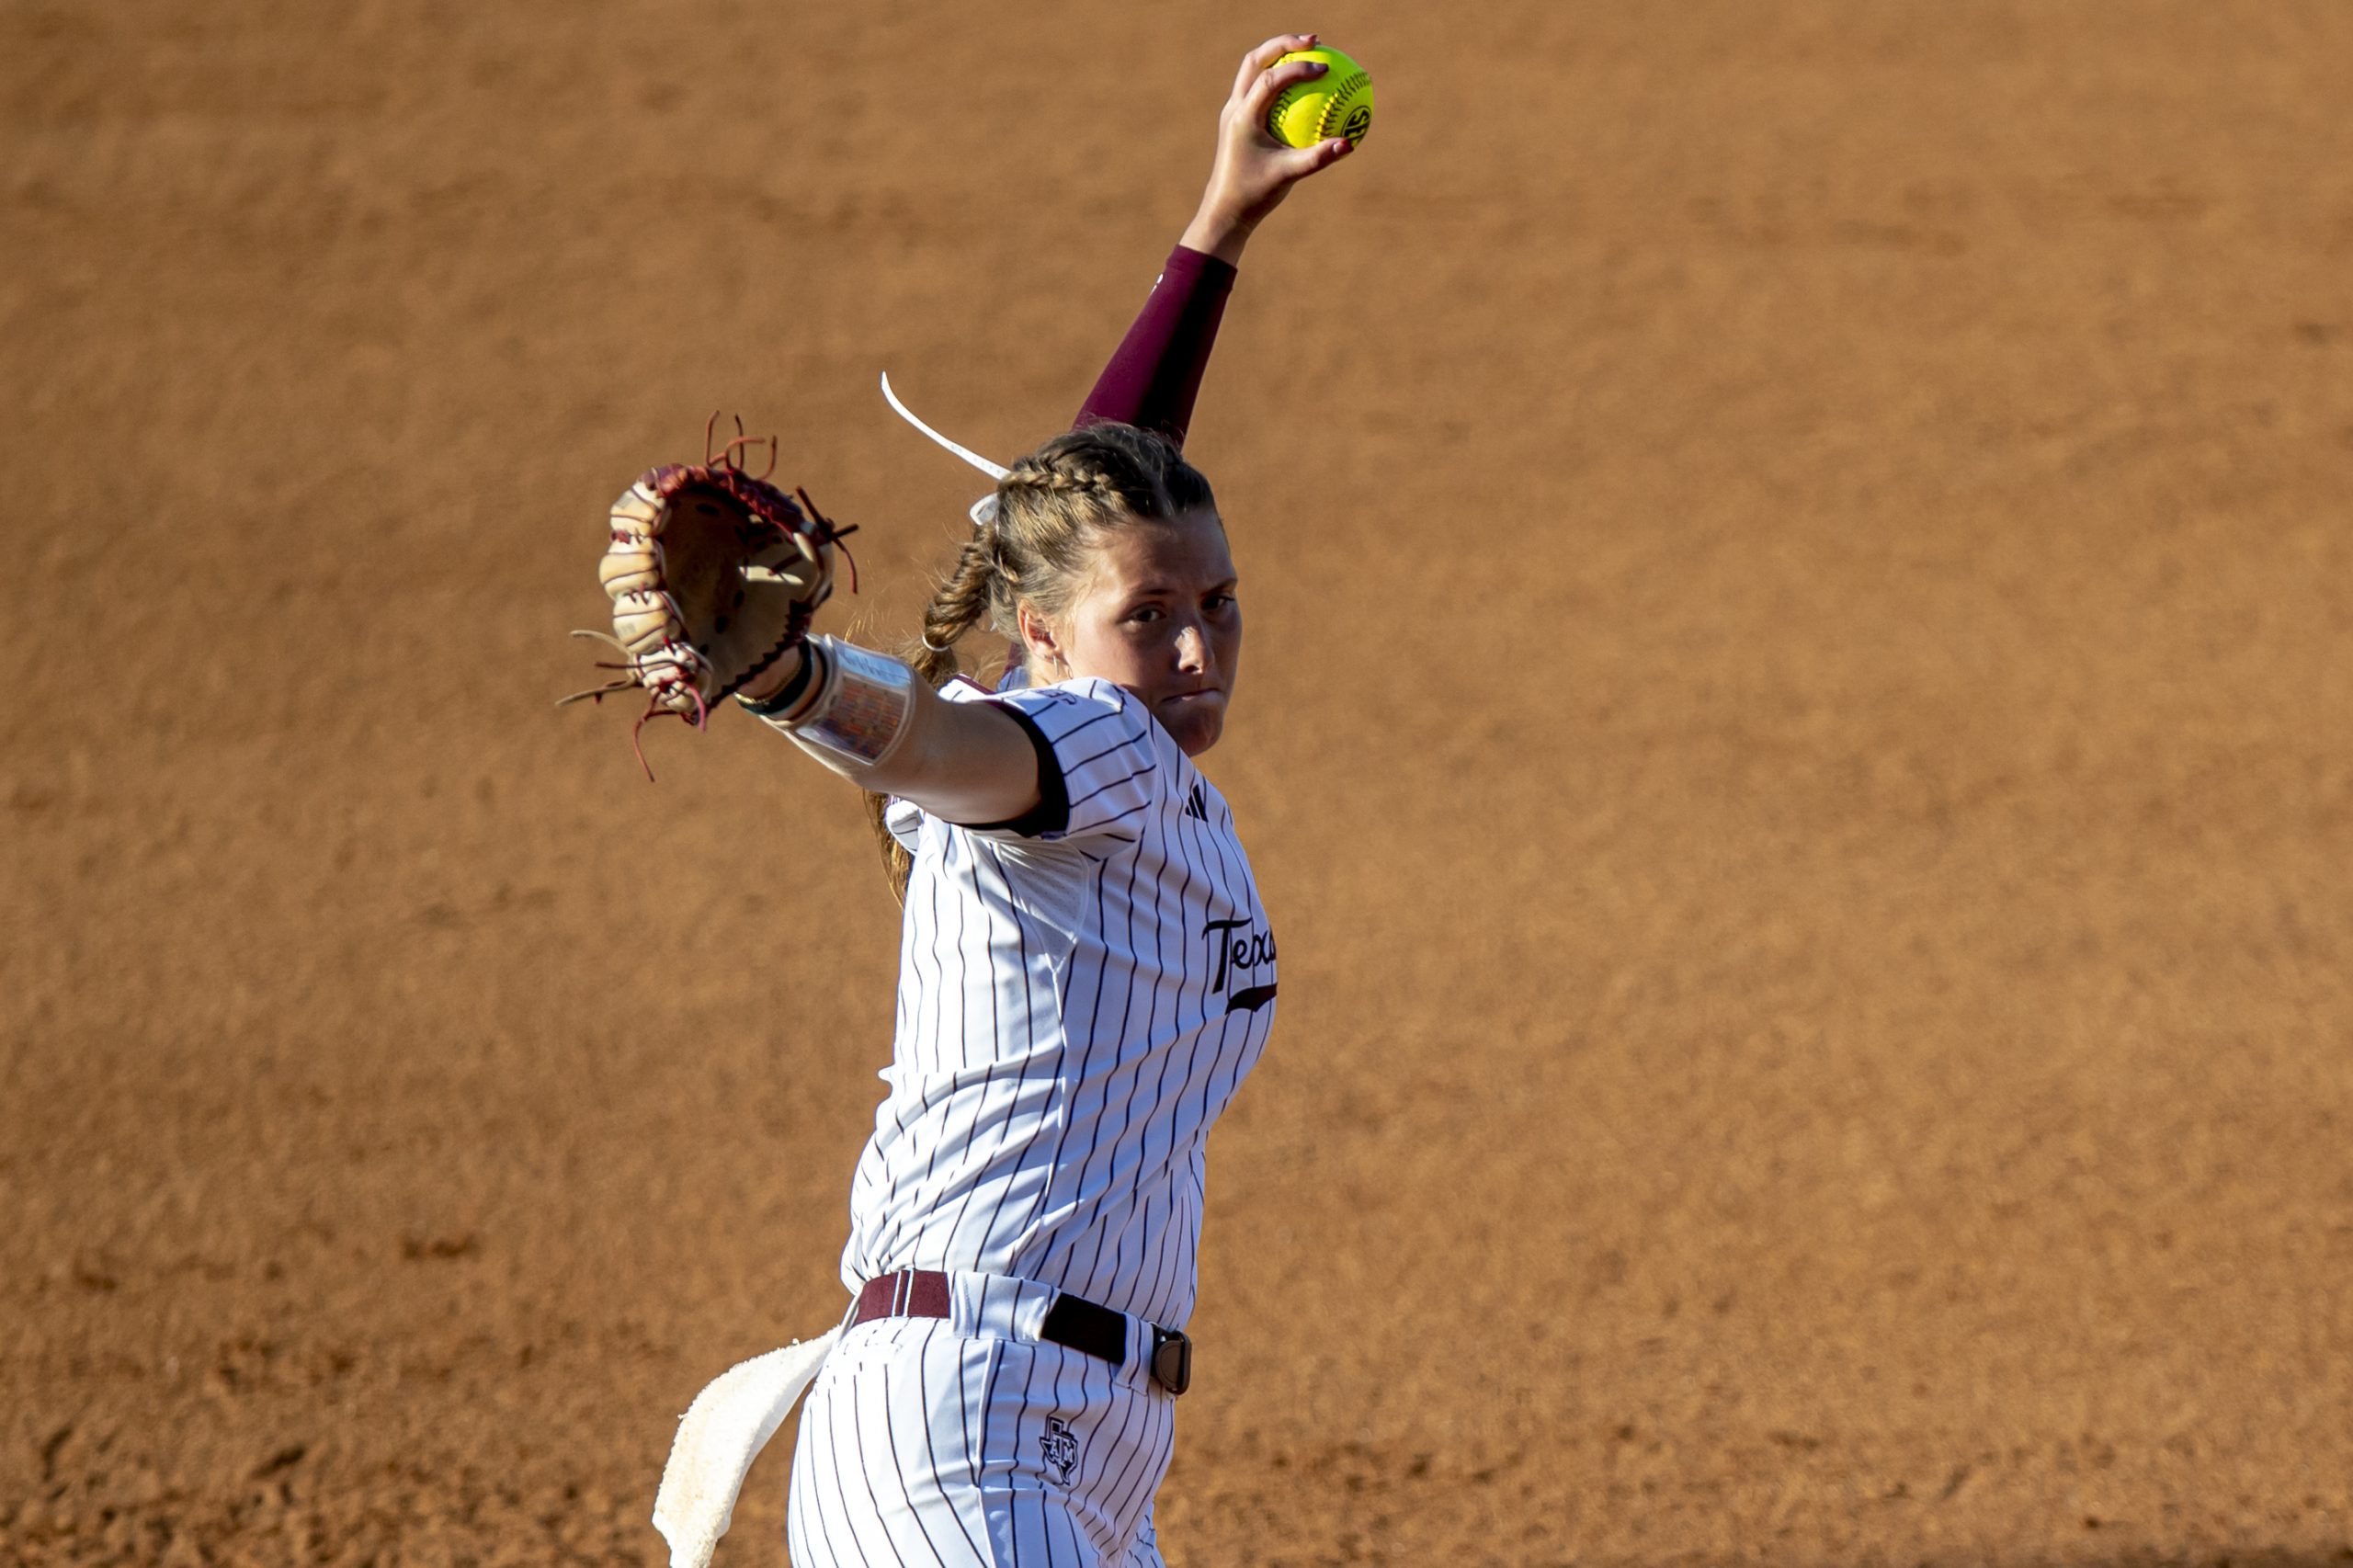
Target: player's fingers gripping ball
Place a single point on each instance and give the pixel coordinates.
(1337, 103)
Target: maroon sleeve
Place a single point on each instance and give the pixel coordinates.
(1155, 373)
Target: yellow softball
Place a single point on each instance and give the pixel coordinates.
(1337, 103)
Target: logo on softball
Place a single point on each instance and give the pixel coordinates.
(1060, 1446)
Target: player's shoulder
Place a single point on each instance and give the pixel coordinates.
(1102, 710)
(1104, 762)
(1079, 690)
(964, 688)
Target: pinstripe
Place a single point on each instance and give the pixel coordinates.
(1077, 1552)
(1061, 1134)
(1119, 1032)
(969, 1435)
(1154, 1305)
(1163, 1446)
(1127, 1492)
(981, 976)
(1011, 1131)
(1110, 785)
(1119, 1491)
(895, 1471)
(1092, 1274)
(804, 1499)
(1153, 1268)
(839, 1530)
(821, 1487)
(1125, 814)
(927, 1383)
(832, 1449)
(1145, 1553)
(872, 1526)
(978, 1436)
(1084, 724)
(1160, 1302)
(1018, 1422)
(1220, 875)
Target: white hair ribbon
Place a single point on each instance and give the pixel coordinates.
(984, 509)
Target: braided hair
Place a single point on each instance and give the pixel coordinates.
(1051, 510)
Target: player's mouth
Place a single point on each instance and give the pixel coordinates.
(1195, 718)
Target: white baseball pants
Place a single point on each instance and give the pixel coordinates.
(966, 1443)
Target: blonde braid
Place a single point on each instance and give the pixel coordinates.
(965, 600)
(1030, 475)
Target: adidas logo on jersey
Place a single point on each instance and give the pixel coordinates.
(1196, 802)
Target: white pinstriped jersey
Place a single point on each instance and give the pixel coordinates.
(1076, 1007)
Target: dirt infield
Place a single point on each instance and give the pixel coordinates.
(1795, 733)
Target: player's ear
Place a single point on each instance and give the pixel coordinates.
(1038, 637)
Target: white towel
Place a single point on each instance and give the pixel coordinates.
(719, 1436)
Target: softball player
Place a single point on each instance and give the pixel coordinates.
(1085, 971)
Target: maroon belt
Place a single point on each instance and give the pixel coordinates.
(1071, 1322)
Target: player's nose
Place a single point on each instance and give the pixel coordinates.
(1192, 651)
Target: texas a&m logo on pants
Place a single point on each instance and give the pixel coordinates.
(1061, 1445)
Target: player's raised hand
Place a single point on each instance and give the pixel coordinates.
(1253, 171)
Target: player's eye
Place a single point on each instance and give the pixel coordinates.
(1143, 615)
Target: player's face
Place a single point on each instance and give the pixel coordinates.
(1158, 615)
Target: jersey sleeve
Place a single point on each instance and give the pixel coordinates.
(1155, 373)
(1099, 768)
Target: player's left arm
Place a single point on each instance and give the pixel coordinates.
(866, 717)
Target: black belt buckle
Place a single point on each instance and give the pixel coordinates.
(1172, 1360)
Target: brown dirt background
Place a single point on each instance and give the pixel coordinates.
(1795, 734)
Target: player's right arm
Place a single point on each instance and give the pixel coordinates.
(1253, 171)
(1155, 374)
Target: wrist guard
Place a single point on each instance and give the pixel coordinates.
(846, 698)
